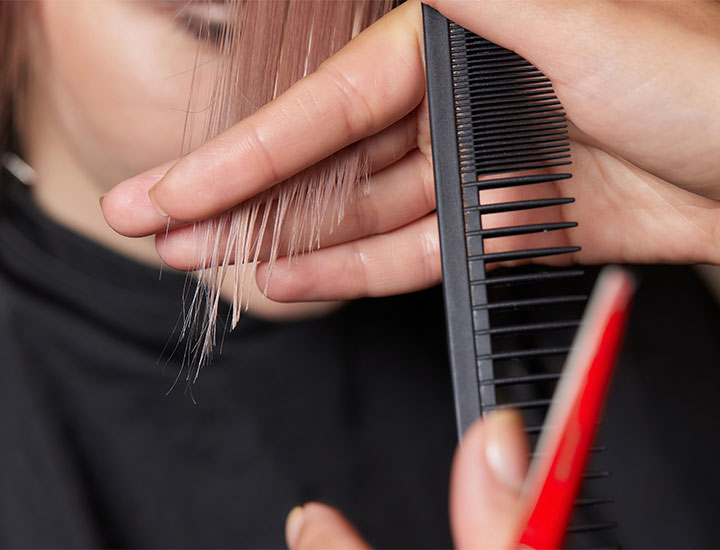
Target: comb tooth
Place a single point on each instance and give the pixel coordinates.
(514, 206)
(492, 138)
(516, 181)
(521, 157)
(515, 168)
(514, 113)
(593, 449)
(499, 61)
(529, 327)
(525, 122)
(520, 72)
(527, 163)
(527, 353)
(490, 53)
(487, 57)
(532, 302)
(481, 81)
(492, 89)
(504, 71)
(521, 230)
(481, 115)
(524, 254)
(474, 60)
(530, 99)
(519, 132)
(527, 277)
(511, 95)
(528, 149)
(475, 42)
(519, 379)
(502, 102)
(516, 62)
(508, 73)
(528, 404)
(515, 100)
(512, 109)
(520, 120)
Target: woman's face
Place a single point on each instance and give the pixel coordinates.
(116, 79)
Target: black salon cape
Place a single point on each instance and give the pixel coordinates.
(353, 409)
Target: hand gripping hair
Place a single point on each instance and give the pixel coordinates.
(271, 45)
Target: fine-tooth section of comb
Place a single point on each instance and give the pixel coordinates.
(498, 128)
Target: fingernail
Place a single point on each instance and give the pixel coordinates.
(293, 525)
(505, 449)
(151, 194)
(101, 198)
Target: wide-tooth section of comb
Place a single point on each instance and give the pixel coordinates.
(499, 126)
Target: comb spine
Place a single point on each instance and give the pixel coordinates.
(451, 223)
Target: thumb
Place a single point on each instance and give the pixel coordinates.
(488, 473)
(319, 526)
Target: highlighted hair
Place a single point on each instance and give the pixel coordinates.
(272, 44)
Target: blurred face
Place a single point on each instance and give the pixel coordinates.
(114, 79)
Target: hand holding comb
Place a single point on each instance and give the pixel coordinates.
(496, 124)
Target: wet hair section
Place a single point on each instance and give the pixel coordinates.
(264, 48)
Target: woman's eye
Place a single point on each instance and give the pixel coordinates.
(207, 20)
(207, 31)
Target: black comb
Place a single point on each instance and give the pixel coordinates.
(497, 124)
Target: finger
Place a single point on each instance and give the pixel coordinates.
(397, 195)
(317, 526)
(354, 94)
(129, 211)
(624, 215)
(634, 75)
(487, 477)
(400, 261)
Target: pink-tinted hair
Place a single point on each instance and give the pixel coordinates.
(13, 47)
(274, 43)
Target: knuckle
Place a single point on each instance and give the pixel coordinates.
(261, 151)
(352, 105)
(360, 270)
(366, 216)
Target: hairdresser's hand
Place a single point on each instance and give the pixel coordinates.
(487, 475)
(639, 81)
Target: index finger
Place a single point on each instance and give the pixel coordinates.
(374, 81)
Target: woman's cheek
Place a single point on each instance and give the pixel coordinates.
(120, 78)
